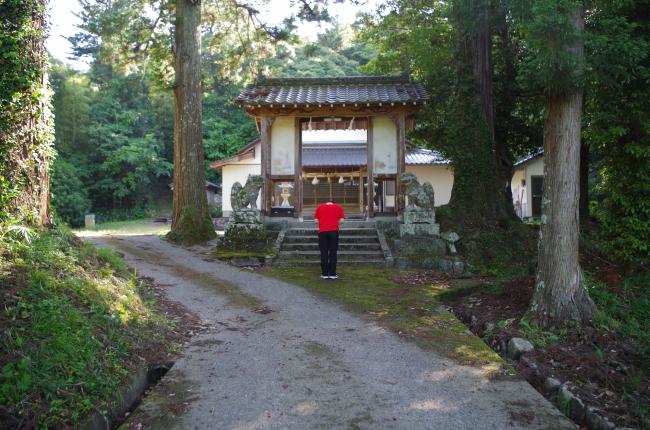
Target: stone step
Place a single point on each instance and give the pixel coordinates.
(342, 239)
(340, 263)
(313, 246)
(342, 232)
(342, 254)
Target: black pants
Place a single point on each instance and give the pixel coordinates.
(328, 242)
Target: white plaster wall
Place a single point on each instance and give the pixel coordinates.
(238, 172)
(534, 168)
(282, 145)
(441, 178)
(384, 145)
(519, 195)
(527, 171)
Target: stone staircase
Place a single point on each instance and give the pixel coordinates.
(358, 244)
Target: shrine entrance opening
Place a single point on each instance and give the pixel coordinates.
(334, 157)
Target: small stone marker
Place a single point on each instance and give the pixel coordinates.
(551, 385)
(89, 221)
(518, 346)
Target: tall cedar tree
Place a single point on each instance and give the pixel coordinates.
(25, 114)
(191, 218)
(480, 186)
(560, 294)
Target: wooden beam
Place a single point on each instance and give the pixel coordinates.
(297, 169)
(265, 137)
(371, 188)
(401, 162)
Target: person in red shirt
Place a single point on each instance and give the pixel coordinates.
(328, 216)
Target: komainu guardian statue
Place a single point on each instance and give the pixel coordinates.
(243, 197)
(418, 195)
(244, 203)
(419, 217)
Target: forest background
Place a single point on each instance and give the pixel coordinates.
(114, 128)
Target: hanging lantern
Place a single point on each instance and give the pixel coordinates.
(341, 180)
(315, 181)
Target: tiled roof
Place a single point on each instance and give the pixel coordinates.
(529, 157)
(334, 157)
(421, 156)
(358, 89)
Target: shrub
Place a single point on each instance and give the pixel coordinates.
(70, 199)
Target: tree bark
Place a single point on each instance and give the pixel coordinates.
(503, 112)
(559, 292)
(482, 173)
(191, 222)
(584, 183)
(475, 192)
(27, 123)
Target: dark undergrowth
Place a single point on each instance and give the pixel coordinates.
(504, 249)
(74, 324)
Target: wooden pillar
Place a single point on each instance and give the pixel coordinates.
(265, 136)
(360, 191)
(297, 170)
(401, 162)
(371, 188)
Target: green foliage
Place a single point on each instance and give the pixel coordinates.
(332, 55)
(627, 311)
(537, 335)
(74, 324)
(114, 143)
(226, 128)
(618, 114)
(547, 27)
(70, 199)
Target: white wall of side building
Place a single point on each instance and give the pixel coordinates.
(441, 178)
(238, 171)
(523, 194)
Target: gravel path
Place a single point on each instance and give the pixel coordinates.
(306, 364)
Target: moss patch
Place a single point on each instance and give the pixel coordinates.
(411, 311)
(229, 254)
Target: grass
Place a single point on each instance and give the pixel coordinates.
(74, 324)
(131, 227)
(626, 311)
(229, 254)
(410, 311)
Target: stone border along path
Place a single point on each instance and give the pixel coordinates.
(307, 364)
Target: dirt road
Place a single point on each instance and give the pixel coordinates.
(277, 357)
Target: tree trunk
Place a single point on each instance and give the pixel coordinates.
(191, 221)
(584, 183)
(475, 192)
(506, 96)
(559, 292)
(26, 125)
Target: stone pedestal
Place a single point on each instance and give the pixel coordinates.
(419, 216)
(419, 230)
(419, 222)
(246, 217)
